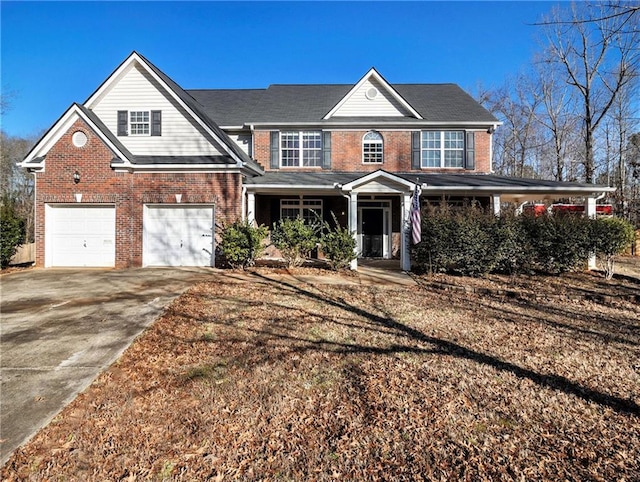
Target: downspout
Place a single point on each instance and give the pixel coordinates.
(252, 145)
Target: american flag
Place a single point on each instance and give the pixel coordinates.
(416, 217)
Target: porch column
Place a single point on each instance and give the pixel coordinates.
(353, 225)
(495, 204)
(405, 237)
(590, 212)
(251, 207)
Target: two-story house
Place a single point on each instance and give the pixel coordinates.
(142, 171)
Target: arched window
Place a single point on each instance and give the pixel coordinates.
(372, 148)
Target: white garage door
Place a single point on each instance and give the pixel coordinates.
(178, 236)
(80, 235)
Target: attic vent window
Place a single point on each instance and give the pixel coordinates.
(79, 139)
(371, 93)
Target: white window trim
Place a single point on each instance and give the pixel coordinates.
(443, 149)
(148, 112)
(301, 205)
(301, 148)
(379, 141)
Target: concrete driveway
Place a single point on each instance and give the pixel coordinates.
(61, 328)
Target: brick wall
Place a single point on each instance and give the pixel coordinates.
(127, 191)
(346, 152)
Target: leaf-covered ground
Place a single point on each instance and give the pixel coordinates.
(268, 381)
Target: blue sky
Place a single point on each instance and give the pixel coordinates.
(56, 53)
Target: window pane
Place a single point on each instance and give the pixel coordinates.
(309, 209)
(453, 158)
(311, 149)
(431, 158)
(289, 213)
(431, 140)
(290, 152)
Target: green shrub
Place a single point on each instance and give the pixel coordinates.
(338, 245)
(460, 242)
(294, 239)
(472, 242)
(558, 243)
(513, 252)
(241, 243)
(12, 231)
(611, 236)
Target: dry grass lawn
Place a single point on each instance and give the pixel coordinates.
(531, 379)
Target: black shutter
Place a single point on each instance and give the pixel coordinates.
(156, 122)
(415, 150)
(275, 150)
(326, 150)
(123, 122)
(470, 154)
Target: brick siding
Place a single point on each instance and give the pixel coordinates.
(99, 184)
(346, 152)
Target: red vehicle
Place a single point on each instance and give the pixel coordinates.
(540, 209)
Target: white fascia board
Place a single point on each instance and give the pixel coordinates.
(295, 187)
(58, 130)
(411, 124)
(134, 57)
(225, 168)
(373, 73)
(523, 189)
(376, 175)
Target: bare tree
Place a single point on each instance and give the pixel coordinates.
(597, 47)
(517, 142)
(16, 185)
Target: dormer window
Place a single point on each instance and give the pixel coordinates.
(372, 148)
(139, 123)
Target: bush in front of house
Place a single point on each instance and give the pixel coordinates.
(295, 239)
(611, 236)
(12, 231)
(338, 245)
(241, 243)
(459, 242)
(472, 242)
(513, 251)
(558, 243)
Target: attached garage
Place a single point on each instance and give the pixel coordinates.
(80, 235)
(178, 235)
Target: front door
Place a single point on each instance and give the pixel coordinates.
(372, 232)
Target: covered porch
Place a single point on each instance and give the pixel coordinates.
(376, 206)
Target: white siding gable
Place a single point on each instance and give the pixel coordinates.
(137, 90)
(361, 105)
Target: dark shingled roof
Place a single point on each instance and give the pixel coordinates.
(200, 112)
(230, 107)
(440, 103)
(435, 180)
(188, 160)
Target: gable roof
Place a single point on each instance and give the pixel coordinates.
(188, 102)
(375, 76)
(36, 156)
(310, 103)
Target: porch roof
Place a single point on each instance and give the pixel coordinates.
(430, 183)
